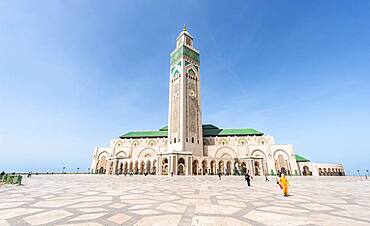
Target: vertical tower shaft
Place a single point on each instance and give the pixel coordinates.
(185, 121)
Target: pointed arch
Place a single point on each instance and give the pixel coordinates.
(102, 154)
(121, 154)
(224, 151)
(147, 152)
(258, 152)
(280, 150)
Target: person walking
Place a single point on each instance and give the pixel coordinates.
(248, 178)
(266, 178)
(219, 175)
(284, 184)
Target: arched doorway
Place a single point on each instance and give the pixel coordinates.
(243, 168)
(195, 167)
(281, 162)
(228, 168)
(136, 167)
(142, 167)
(320, 172)
(306, 171)
(204, 167)
(131, 167)
(101, 166)
(213, 167)
(221, 167)
(181, 166)
(148, 167)
(165, 166)
(257, 170)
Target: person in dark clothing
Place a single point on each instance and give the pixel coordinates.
(219, 175)
(248, 178)
(266, 178)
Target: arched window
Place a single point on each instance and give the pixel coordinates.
(181, 161)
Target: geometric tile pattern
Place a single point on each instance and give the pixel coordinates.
(183, 200)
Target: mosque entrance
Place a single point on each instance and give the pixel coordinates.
(181, 166)
(181, 169)
(195, 167)
(165, 166)
(306, 171)
(257, 168)
(244, 168)
(228, 168)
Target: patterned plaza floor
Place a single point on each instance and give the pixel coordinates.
(183, 200)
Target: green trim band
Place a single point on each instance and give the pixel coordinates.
(184, 51)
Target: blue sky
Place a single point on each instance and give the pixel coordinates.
(75, 74)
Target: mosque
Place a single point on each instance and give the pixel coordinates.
(188, 147)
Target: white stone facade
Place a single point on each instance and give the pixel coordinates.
(320, 169)
(228, 155)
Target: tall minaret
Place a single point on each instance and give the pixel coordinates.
(184, 120)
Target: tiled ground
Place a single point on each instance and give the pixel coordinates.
(202, 200)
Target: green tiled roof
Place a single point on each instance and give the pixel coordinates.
(299, 158)
(208, 130)
(209, 126)
(204, 126)
(144, 134)
(231, 132)
(165, 128)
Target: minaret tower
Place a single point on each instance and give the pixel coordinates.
(185, 135)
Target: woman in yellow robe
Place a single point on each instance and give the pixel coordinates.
(284, 184)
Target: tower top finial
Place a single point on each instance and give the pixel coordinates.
(184, 27)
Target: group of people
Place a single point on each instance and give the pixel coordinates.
(281, 180)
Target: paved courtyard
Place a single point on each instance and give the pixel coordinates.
(183, 200)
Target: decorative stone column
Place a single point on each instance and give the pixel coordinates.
(251, 166)
(174, 169)
(114, 167)
(190, 165)
(170, 165)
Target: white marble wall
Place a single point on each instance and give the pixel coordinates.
(233, 150)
